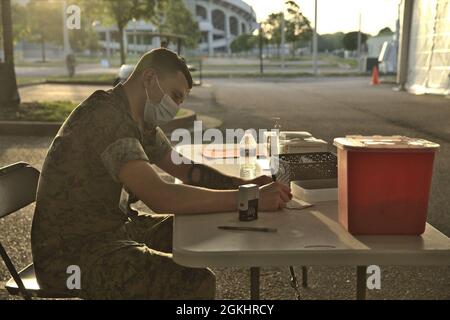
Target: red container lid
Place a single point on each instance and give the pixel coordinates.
(385, 142)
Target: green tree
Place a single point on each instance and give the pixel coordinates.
(330, 42)
(19, 18)
(178, 20)
(1, 29)
(20, 25)
(385, 31)
(123, 11)
(44, 23)
(298, 27)
(9, 95)
(272, 29)
(243, 43)
(351, 40)
(86, 37)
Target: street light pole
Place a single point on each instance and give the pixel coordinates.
(135, 37)
(402, 69)
(359, 44)
(283, 38)
(66, 42)
(315, 49)
(261, 64)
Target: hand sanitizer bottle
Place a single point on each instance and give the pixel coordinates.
(247, 156)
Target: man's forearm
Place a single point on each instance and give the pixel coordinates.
(141, 179)
(196, 174)
(207, 177)
(185, 199)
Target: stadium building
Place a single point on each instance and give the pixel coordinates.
(220, 21)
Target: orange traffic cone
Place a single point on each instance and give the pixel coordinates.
(375, 80)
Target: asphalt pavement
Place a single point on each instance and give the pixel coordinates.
(328, 108)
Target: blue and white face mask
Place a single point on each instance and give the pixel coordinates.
(159, 114)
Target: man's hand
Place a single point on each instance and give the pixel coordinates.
(197, 174)
(260, 181)
(274, 196)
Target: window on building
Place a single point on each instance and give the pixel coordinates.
(204, 37)
(147, 39)
(218, 18)
(234, 25)
(115, 36)
(221, 50)
(243, 28)
(200, 12)
(102, 36)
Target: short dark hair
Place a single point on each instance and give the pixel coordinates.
(164, 61)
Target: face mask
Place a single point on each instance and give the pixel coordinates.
(159, 114)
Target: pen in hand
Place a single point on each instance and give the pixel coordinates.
(257, 229)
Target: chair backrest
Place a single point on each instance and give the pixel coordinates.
(18, 185)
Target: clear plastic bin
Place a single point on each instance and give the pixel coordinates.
(318, 190)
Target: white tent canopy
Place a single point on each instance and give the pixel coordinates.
(429, 49)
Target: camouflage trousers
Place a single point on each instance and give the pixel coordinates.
(136, 263)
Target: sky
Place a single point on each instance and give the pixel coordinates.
(338, 15)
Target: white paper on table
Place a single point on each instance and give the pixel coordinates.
(298, 204)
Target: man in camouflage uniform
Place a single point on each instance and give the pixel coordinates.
(106, 146)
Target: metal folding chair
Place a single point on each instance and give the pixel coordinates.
(18, 184)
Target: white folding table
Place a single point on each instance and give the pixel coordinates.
(308, 237)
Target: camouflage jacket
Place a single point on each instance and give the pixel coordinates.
(79, 191)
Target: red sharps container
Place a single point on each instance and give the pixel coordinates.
(384, 184)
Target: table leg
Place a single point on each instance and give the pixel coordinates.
(361, 273)
(254, 283)
(304, 277)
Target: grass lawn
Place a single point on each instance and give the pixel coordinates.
(39, 111)
(40, 64)
(268, 65)
(97, 78)
(211, 69)
(351, 62)
(101, 79)
(108, 79)
(22, 81)
(56, 111)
